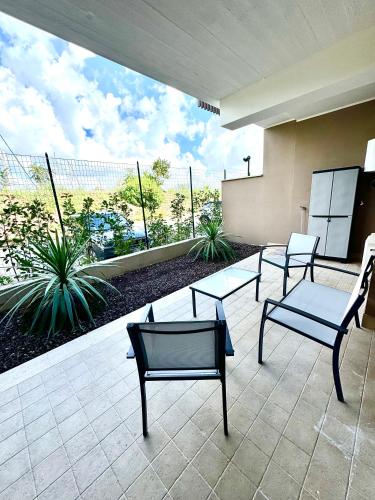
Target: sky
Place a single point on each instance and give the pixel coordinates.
(62, 99)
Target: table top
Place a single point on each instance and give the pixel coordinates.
(225, 282)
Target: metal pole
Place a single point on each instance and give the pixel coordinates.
(192, 201)
(143, 206)
(248, 166)
(225, 173)
(55, 195)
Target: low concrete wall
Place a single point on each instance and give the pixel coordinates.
(120, 265)
(125, 263)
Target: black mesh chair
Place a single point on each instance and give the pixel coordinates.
(320, 313)
(299, 252)
(181, 350)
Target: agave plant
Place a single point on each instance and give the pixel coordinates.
(61, 291)
(213, 244)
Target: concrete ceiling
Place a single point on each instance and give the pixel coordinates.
(210, 49)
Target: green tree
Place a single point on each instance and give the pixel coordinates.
(160, 169)
(151, 190)
(39, 174)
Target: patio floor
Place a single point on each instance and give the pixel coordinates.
(73, 430)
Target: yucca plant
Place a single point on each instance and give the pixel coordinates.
(214, 244)
(61, 291)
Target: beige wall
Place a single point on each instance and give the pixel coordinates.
(267, 208)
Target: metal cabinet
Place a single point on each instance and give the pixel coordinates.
(331, 209)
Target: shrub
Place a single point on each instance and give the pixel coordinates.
(214, 244)
(60, 291)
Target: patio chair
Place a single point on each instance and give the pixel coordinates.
(320, 313)
(299, 252)
(181, 350)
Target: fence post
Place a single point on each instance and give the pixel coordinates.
(192, 200)
(143, 206)
(55, 195)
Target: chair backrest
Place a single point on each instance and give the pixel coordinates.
(359, 291)
(183, 345)
(302, 243)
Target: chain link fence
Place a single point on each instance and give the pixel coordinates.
(119, 207)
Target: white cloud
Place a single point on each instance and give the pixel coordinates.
(47, 103)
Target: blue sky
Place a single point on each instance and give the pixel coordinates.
(60, 98)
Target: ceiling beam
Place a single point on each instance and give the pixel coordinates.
(344, 69)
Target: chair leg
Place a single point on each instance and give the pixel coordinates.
(336, 374)
(286, 274)
(260, 266)
(144, 408)
(305, 272)
(261, 335)
(357, 321)
(225, 417)
(312, 272)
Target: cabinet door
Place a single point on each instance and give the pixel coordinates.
(318, 227)
(343, 191)
(338, 237)
(320, 197)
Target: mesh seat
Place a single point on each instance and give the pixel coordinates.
(319, 300)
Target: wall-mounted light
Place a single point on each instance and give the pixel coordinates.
(370, 156)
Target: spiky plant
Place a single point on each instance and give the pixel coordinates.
(214, 244)
(60, 292)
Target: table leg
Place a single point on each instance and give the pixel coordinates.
(194, 304)
(257, 289)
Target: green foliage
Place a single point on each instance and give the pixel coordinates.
(180, 217)
(207, 204)
(5, 280)
(151, 190)
(60, 292)
(214, 244)
(159, 231)
(21, 223)
(160, 169)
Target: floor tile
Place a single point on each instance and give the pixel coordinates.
(210, 463)
(148, 485)
(278, 485)
(169, 464)
(292, 459)
(64, 487)
(89, 467)
(363, 479)
(81, 443)
(129, 466)
(44, 446)
(116, 442)
(190, 485)
(234, 484)
(189, 439)
(106, 487)
(264, 436)
(22, 489)
(106, 423)
(50, 469)
(251, 461)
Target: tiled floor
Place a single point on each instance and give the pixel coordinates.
(74, 429)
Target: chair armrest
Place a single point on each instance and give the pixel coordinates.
(302, 253)
(336, 269)
(270, 246)
(306, 315)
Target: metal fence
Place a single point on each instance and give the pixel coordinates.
(151, 204)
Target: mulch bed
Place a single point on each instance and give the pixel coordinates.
(136, 288)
